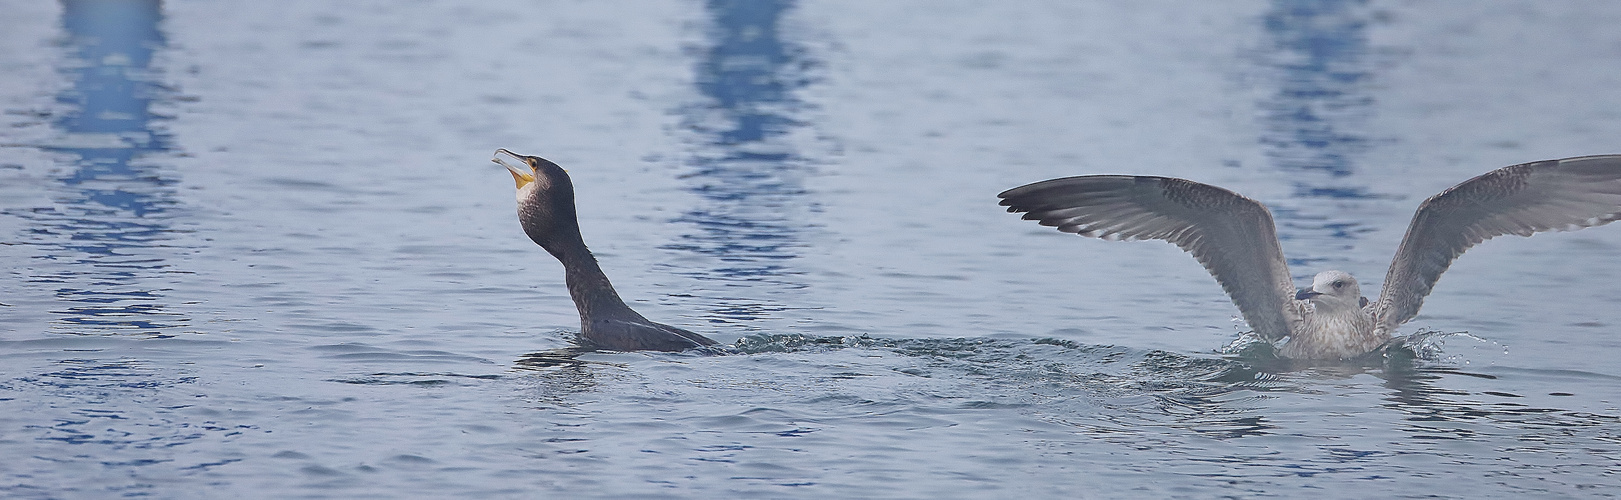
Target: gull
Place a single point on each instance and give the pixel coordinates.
(1235, 239)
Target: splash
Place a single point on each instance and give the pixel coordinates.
(1249, 345)
(1429, 346)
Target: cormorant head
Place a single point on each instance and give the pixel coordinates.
(534, 174)
(1334, 289)
(545, 197)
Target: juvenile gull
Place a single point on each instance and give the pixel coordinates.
(1234, 238)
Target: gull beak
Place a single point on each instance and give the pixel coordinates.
(1306, 294)
(521, 176)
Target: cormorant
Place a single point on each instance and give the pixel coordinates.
(546, 210)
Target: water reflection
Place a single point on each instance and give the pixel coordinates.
(553, 358)
(1317, 53)
(744, 168)
(112, 207)
(557, 377)
(1440, 413)
(1319, 50)
(1102, 389)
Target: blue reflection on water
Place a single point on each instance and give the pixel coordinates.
(748, 175)
(748, 72)
(1319, 50)
(114, 204)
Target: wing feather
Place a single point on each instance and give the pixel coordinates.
(1551, 195)
(1232, 236)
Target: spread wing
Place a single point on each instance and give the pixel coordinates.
(1233, 236)
(1551, 195)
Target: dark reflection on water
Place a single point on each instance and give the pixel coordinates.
(553, 358)
(745, 170)
(560, 386)
(113, 206)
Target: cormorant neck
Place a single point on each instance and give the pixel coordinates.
(589, 287)
(551, 222)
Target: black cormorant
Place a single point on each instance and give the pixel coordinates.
(546, 210)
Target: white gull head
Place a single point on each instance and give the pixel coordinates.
(1333, 291)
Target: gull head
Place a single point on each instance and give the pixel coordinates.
(1333, 290)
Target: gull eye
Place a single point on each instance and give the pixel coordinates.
(1339, 284)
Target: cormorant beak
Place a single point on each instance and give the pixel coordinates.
(521, 176)
(1306, 294)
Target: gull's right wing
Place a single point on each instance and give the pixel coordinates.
(1233, 236)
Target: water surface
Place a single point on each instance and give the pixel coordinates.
(257, 248)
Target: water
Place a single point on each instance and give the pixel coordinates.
(257, 249)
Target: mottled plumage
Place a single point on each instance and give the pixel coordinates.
(546, 211)
(1235, 239)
